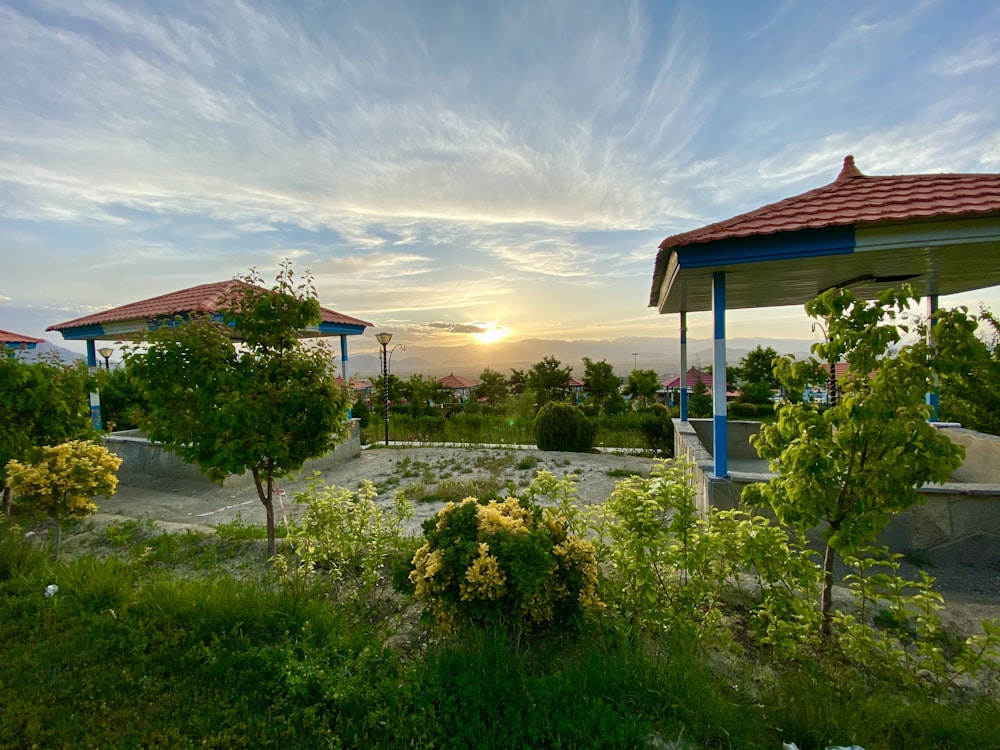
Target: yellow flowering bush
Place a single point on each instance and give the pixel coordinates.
(505, 562)
(62, 480)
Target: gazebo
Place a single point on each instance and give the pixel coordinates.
(134, 320)
(939, 232)
(17, 342)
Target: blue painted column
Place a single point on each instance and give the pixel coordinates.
(343, 373)
(95, 397)
(684, 366)
(720, 427)
(933, 398)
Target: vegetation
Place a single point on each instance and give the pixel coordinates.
(42, 403)
(61, 481)
(859, 461)
(563, 427)
(971, 395)
(265, 407)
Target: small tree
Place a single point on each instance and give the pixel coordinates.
(599, 381)
(266, 407)
(548, 379)
(643, 385)
(492, 386)
(42, 403)
(972, 395)
(61, 481)
(856, 463)
(563, 427)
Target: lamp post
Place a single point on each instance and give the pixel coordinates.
(635, 361)
(384, 339)
(106, 352)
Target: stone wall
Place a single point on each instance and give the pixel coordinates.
(146, 464)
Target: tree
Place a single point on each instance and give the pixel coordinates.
(563, 427)
(548, 380)
(856, 463)
(492, 386)
(265, 407)
(700, 404)
(643, 384)
(758, 367)
(517, 383)
(42, 403)
(62, 480)
(971, 395)
(599, 381)
(419, 390)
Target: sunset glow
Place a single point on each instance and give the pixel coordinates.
(492, 334)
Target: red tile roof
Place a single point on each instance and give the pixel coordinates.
(693, 376)
(8, 337)
(858, 198)
(205, 298)
(454, 382)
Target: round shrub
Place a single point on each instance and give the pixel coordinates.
(507, 563)
(563, 427)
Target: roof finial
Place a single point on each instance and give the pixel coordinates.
(849, 169)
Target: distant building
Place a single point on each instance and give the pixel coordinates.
(460, 387)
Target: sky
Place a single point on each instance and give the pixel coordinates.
(455, 171)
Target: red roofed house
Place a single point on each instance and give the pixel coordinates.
(460, 387)
(938, 232)
(16, 342)
(134, 320)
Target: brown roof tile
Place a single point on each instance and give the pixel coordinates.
(455, 382)
(9, 337)
(855, 198)
(204, 298)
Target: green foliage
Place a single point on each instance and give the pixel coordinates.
(700, 402)
(345, 536)
(121, 400)
(658, 429)
(493, 387)
(600, 382)
(510, 564)
(643, 385)
(971, 396)
(61, 481)
(547, 381)
(757, 369)
(43, 403)
(856, 463)
(563, 427)
(266, 407)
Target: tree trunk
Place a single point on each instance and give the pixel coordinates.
(827, 605)
(6, 502)
(267, 500)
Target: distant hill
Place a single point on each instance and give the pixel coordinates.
(48, 349)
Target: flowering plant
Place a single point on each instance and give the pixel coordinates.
(509, 562)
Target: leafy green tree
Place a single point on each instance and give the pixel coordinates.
(971, 395)
(419, 390)
(42, 403)
(517, 383)
(643, 385)
(547, 380)
(599, 381)
(492, 386)
(758, 367)
(700, 404)
(121, 401)
(858, 462)
(265, 407)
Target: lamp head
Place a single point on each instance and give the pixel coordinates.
(105, 351)
(383, 338)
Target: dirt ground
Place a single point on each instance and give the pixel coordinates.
(971, 590)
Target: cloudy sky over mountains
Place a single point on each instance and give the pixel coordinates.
(454, 171)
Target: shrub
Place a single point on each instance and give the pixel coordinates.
(563, 427)
(658, 429)
(507, 563)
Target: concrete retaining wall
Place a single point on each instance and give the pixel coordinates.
(146, 464)
(961, 515)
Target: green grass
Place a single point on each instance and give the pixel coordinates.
(132, 653)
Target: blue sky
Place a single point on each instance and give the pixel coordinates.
(446, 167)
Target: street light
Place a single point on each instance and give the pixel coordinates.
(635, 360)
(106, 352)
(384, 339)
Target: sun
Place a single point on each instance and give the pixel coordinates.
(492, 334)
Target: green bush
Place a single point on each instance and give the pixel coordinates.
(505, 563)
(658, 429)
(563, 427)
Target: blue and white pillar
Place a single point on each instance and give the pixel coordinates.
(720, 427)
(684, 366)
(933, 398)
(95, 397)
